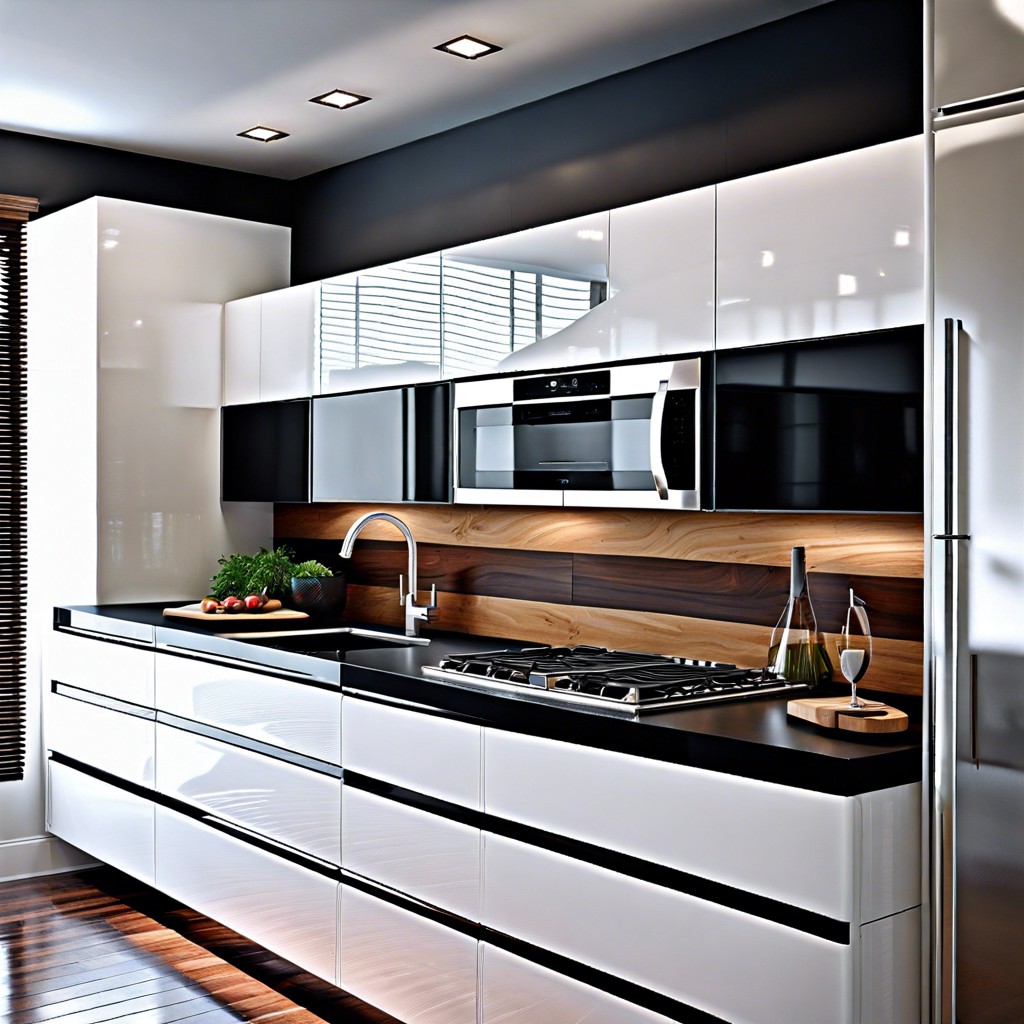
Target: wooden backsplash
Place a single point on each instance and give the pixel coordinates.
(699, 584)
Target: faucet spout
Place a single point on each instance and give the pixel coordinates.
(414, 613)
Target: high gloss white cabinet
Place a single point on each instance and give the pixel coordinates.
(108, 823)
(518, 991)
(832, 246)
(113, 669)
(125, 374)
(282, 713)
(284, 802)
(411, 967)
(284, 906)
(434, 859)
(269, 344)
(742, 968)
(435, 756)
(761, 834)
(661, 276)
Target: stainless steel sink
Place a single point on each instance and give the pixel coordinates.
(334, 640)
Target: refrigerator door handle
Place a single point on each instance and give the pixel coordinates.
(952, 330)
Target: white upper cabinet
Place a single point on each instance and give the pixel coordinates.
(662, 276)
(979, 48)
(831, 246)
(269, 344)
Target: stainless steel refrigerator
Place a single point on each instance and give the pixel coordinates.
(976, 522)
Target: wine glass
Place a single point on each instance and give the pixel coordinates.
(853, 645)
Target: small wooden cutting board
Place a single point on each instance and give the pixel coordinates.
(195, 612)
(836, 713)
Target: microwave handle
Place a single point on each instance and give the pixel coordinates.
(657, 419)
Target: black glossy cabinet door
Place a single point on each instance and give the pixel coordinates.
(265, 451)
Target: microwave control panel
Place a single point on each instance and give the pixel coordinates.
(563, 385)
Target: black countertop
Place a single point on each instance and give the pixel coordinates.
(753, 738)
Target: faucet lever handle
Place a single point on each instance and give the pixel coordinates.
(401, 589)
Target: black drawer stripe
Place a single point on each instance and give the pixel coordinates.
(764, 907)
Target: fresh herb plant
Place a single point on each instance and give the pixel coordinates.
(311, 568)
(266, 572)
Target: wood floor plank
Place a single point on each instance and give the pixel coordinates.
(97, 947)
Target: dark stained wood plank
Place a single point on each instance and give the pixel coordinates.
(494, 572)
(753, 594)
(97, 946)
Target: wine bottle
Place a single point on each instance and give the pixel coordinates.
(797, 649)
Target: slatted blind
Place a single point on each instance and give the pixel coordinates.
(461, 317)
(13, 382)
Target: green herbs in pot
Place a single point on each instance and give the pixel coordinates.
(311, 568)
(266, 572)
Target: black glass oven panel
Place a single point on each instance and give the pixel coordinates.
(834, 425)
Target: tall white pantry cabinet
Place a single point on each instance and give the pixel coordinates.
(124, 338)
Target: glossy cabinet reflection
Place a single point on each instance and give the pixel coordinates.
(832, 246)
(269, 344)
(662, 276)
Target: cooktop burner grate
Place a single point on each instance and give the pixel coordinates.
(608, 682)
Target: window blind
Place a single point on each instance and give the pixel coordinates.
(14, 211)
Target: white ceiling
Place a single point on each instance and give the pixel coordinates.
(180, 78)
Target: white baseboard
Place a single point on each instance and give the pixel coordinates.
(39, 855)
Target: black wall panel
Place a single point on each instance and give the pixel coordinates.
(837, 77)
(61, 173)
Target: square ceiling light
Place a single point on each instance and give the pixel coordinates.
(340, 99)
(260, 134)
(468, 47)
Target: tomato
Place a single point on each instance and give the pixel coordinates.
(209, 605)
(253, 603)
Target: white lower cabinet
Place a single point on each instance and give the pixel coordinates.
(667, 941)
(287, 803)
(517, 991)
(413, 968)
(425, 753)
(890, 969)
(284, 713)
(112, 741)
(429, 857)
(113, 669)
(111, 824)
(281, 905)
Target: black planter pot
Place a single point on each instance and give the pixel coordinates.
(319, 595)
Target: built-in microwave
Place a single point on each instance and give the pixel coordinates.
(626, 435)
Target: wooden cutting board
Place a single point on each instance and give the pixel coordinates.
(195, 612)
(836, 713)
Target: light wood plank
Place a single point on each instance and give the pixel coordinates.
(882, 545)
(896, 666)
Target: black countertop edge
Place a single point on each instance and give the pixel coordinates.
(752, 738)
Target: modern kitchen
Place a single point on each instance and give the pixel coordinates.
(554, 557)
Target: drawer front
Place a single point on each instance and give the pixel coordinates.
(113, 669)
(788, 844)
(113, 826)
(890, 969)
(516, 991)
(415, 969)
(281, 712)
(730, 964)
(111, 741)
(421, 752)
(426, 856)
(287, 908)
(292, 805)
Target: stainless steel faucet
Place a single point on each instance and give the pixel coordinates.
(414, 613)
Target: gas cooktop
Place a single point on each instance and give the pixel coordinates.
(624, 684)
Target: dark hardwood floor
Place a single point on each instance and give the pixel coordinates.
(97, 946)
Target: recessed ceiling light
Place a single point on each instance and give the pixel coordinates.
(468, 47)
(340, 99)
(260, 134)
